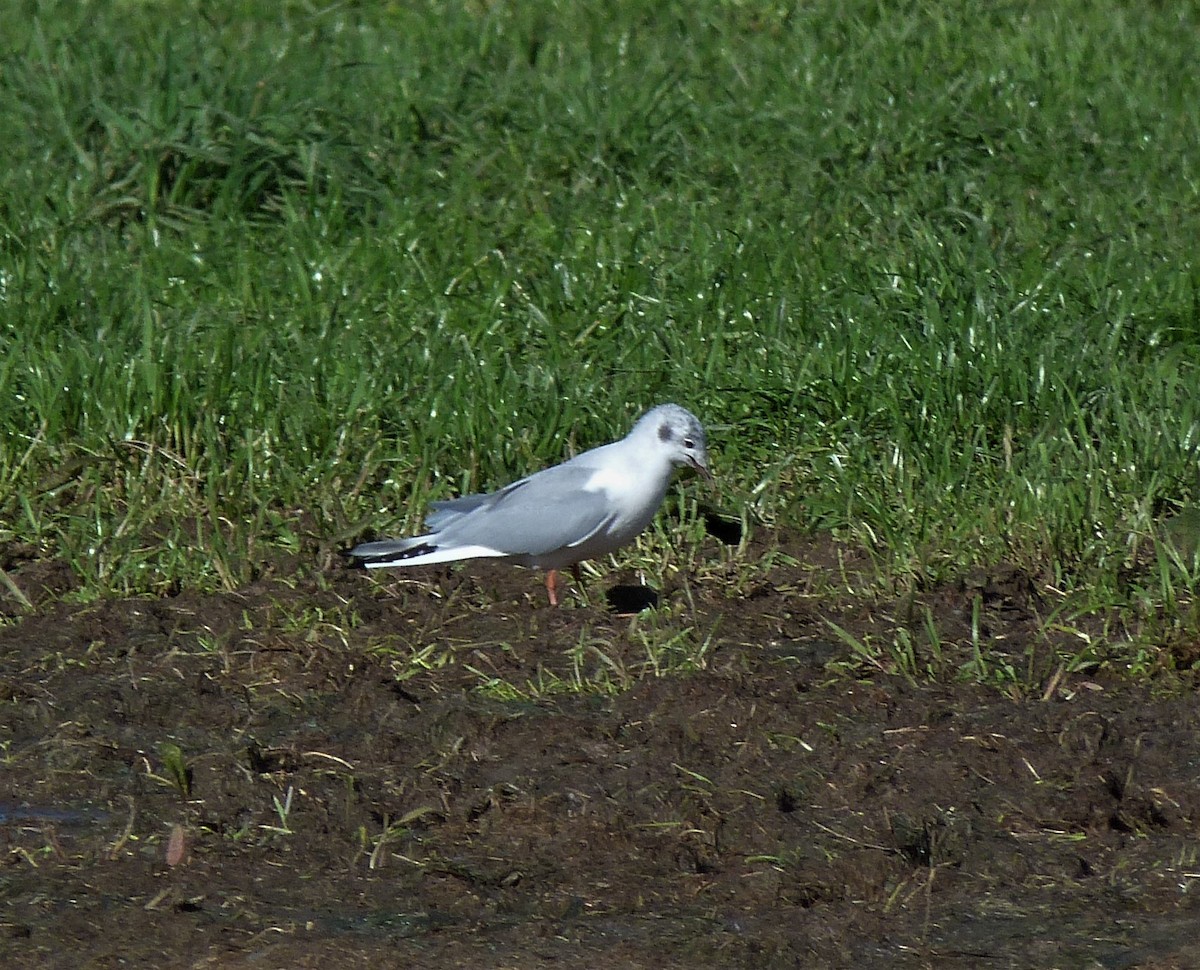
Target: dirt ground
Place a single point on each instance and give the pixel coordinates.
(336, 769)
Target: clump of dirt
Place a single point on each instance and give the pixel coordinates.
(436, 769)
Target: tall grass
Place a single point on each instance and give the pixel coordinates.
(271, 273)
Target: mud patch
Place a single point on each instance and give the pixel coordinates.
(439, 770)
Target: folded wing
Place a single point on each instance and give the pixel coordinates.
(538, 515)
(543, 513)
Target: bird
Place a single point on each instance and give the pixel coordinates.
(585, 507)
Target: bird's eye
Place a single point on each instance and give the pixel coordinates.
(689, 443)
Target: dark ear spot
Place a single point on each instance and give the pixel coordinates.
(664, 432)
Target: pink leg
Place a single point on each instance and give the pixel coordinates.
(552, 582)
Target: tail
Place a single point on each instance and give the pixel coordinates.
(391, 552)
(417, 551)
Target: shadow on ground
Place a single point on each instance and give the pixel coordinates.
(437, 769)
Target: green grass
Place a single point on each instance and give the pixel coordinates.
(275, 273)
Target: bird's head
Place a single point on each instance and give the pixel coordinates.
(679, 435)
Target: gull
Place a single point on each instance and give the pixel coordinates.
(588, 506)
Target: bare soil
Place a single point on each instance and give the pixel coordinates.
(334, 769)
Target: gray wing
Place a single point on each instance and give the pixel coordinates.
(445, 512)
(534, 516)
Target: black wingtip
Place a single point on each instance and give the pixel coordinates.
(367, 560)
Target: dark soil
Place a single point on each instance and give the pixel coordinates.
(346, 770)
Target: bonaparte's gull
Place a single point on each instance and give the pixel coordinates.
(586, 507)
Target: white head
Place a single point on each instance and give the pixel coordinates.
(678, 434)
